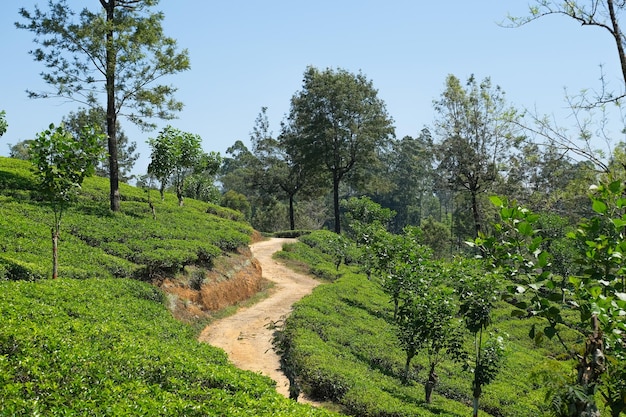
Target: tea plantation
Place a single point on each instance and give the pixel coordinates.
(342, 344)
(95, 342)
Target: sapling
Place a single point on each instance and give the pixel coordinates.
(61, 163)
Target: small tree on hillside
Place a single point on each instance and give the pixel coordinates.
(236, 201)
(200, 185)
(367, 224)
(478, 293)
(175, 155)
(400, 260)
(426, 322)
(61, 164)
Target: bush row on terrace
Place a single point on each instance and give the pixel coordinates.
(109, 347)
(342, 344)
(98, 243)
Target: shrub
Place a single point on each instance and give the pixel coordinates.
(110, 348)
(99, 243)
(342, 344)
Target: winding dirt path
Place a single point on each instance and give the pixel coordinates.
(245, 336)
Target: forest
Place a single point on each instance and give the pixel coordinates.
(491, 209)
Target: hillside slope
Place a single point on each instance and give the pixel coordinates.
(99, 341)
(190, 250)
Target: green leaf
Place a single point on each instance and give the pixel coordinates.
(619, 223)
(599, 206)
(549, 331)
(532, 218)
(615, 187)
(525, 229)
(595, 291)
(496, 201)
(542, 259)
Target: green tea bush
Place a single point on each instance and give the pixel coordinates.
(110, 348)
(95, 242)
(341, 342)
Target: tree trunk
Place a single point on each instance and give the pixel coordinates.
(590, 368)
(433, 378)
(55, 251)
(617, 34)
(111, 111)
(407, 366)
(475, 212)
(152, 208)
(292, 221)
(475, 405)
(179, 194)
(162, 190)
(336, 202)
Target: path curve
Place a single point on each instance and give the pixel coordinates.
(245, 336)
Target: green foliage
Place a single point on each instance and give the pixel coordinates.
(3, 123)
(118, 51)
(126, 151)
(595, 292)
(342, 343)
(278, 171)
(363, 213)
(62, 162)
(290, 233)
(97, 243)
(436, 236)
(476, 129)
(401, 262)
(110, 348)
(21, 150)
(337, 125)
(236, 201)
(174, 156)
(337, 247)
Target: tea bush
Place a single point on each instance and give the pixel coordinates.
(342, 344)
(98, 243)
(110, 348)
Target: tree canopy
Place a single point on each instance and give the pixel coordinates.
(118, 51)
(176, 155)
(61, 163)
(476, 134)
(126, 150)
(337, 122)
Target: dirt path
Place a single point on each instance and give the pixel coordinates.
(245, 336)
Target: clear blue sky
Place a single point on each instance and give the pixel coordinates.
(246, 54)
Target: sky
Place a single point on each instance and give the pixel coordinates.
(249, 54)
